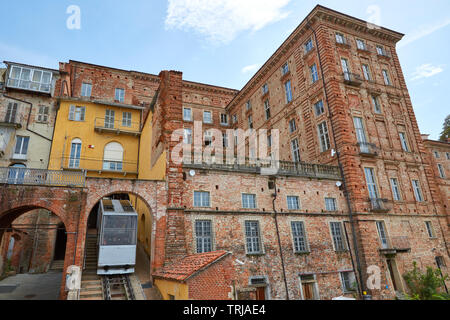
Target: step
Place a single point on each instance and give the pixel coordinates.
(92, 289)
(88, 294)
(92, 298)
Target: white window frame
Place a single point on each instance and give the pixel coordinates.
(77, 113)
(201, 237)
(383, 235)
(257, 237)
(327, 202)
(366, 72)
(267, 109)
(75, 154)
(11, 112)
(314, 73)
(387, 79)
(371, 181)
(126, 119)
(187, 136)
(376, 104)
(342, 235)
(319, 106)
(303, 236)
(361, 44)
(404, 141)
(293, 205)
(295, 149)
(185, 111)
(119, 94)
(24, 142)
(340, 38)
(396, 194)
(86, 89)
(205, 199)
(224, 119)
(292, 125)
(324, 138)
(288, 89)
(28, 82)
(249, 201)
(309, 45)
(43, 113)
(417, 190)
(207, 120)
(265, 88)
(110, 119)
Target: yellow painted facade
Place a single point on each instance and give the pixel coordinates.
(144, 223)
(180, 291)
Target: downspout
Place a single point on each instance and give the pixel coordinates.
(274, 195)
(350, 213)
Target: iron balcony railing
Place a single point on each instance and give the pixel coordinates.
(100, 165)
(39, 177)
(380, 205)
(117, 126)
(264, 167)
(366, 148)
(352, 78)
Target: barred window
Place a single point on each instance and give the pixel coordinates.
(252, 235)
(338, 236)
(201, 199)
(203, 234)
(299, 235)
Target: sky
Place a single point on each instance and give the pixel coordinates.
(221, 42)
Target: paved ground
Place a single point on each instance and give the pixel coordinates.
(31, 286)
(142, 271)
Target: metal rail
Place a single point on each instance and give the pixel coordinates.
(39, 177)
(117, 287)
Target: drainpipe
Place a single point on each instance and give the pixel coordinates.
(274, 195)
(350, 213)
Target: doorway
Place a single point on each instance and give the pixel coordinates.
(60, 243)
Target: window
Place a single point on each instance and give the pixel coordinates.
(223, 119)
(293, 203)
(376, 104)
(440, 262)
(292, 126)
(314, 74)
(248, 201)
(318, 107)
(330, 204)
(11, 112)
(203, 235)
(235, 119)
(225, 139)
(86, 89)
(77, 113)
(448, 155)
(250, 122)
(348, 281)
(201, 199)
(113, 157)
(436, 154)
(187, 114)
(309, 46)
(75, 154)
(366, 72)
(360, 133)
(295, 150)
(42, 114)
(269, 140)
(382, 234)
(395, 189)
(30, 79)
(340, 38)
(119, 230)
(120, 95)
(441, 171)
(361, 44)
(387, 80)
(208, 138)
(21, 148)
(430, 230)
(371, 183)
(345, 68)
(287, 87)
(248, 105)
(338, 236)
(267, 109)
(403, 141)
(265, 89)
(207, 117)
(252, 236)
(126, 119)
(380, 51)
(299, 237)
(323, 137)
(417, 190)
(109, 119)
(187, 136)
(285, 69)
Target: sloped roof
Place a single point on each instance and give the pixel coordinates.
(186, 267)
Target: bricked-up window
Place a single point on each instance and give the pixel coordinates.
(348, 281)
(376, 104)
(21, 148)
(314, 74)
(288, 89)
(417, 190)
(387, 80)
(187, 136)
(126, 119)
(285, 69)
(366, 72)
(292, 126)
(265, 89)
(371, 183)
(187, 114)
(295, 150)
(441, 171)
(109, 118)
(430, 230)
(340, 38)
(404, 141)
(248, 105)
(120, 95)
(250, 122)
(319, 108)
(299, 237)
(42, 114)
(267, 109)
(361, 44)
(75, 154)
(201, 199)
(293, 203)
(330, 204)
(309, 46)
(11, 112)
(395, 189)
(86, 89)
(77, 113)
(323, 137)
(253, 239)
(203, 235)
(338, 236)
(223, 119)
(248, 201)
(381, 227)
(207, 117)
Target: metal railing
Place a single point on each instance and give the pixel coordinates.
(39, 177)
(352, 78)
(380, 205)
(91, 164)
(368, 148)
(119, 126)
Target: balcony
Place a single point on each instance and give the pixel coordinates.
(383, 54)
(352, 79)
(117, 127)
(100, 166)
(380, 205)
(24, 176)
(397, 244)
(368, 149)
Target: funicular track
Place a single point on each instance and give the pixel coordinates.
(117, 287)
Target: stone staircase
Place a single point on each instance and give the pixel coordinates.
(57, 265)
(91, 283)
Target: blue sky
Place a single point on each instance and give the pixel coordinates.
(222, 42)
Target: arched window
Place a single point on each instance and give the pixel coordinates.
(113, 157)
(75, 154)
(16, 173)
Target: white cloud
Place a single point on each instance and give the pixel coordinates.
(426, 71)
(221, 20)
(423, 32)
(250, 68)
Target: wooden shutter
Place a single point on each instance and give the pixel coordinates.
(83, 112)
(72, 113)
